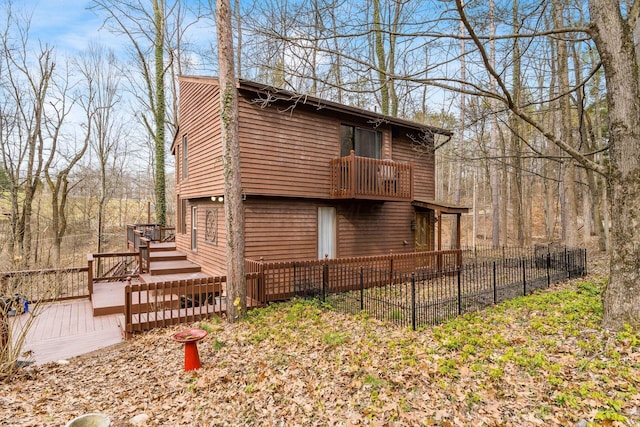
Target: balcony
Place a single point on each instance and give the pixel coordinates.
(354, 177)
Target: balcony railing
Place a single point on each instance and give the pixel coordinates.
(354, 177)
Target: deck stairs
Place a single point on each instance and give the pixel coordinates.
(165, 260)
(165, 264)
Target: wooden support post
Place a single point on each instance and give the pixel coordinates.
(352, 174)
(90, 275)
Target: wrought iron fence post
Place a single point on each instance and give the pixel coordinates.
(548, 270)
(361, 288)
(566, 263)
(325, 277)
(459, 292)
(413, 301)
(495, 287)
(524, 276)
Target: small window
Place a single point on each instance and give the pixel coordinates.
(178, 167)
(185, 155)
(182, 216)
(194, 228)
(365, 142)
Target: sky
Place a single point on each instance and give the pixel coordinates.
(66, 24)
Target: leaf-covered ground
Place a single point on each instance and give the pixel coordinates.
(539, 360)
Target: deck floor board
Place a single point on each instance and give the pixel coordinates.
(66, 329)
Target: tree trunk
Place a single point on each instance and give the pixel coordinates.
(160, 191)
(569, 206)
(233, 205)
(381, 56)
(494, 172)
(516, 188)
(460, 142)
(621, 62)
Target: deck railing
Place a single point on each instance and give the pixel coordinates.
(45, 285)
(354, 177)
(153, 305)
(152, 232)
(112, 267)
(282, 280)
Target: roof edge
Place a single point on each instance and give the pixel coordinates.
(444, 207)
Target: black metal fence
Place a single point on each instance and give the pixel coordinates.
(428, 297)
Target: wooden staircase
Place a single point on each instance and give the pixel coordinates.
(165, 260)
(166, 264)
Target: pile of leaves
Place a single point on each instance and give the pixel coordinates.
(537, 360)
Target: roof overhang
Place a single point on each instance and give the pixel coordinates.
(442, 207)
(275, 94)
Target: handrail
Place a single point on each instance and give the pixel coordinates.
(145, 254)
(111, 266)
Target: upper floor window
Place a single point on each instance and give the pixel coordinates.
(365, 142)
(185, 152)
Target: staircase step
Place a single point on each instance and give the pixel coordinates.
(163, 246)
(167, 256)
(149, 279)
(173, 267)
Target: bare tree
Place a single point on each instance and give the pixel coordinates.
(25, 86)
(61, 160)
(102, 81)
(144, 25)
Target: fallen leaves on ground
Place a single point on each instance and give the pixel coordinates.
(540, 360)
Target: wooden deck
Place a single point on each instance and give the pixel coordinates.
(67, 329)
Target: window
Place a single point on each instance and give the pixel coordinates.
(180, 216)
(365, 142)
(178, 171)
(194, 228)
(211, 226)
(185, 152)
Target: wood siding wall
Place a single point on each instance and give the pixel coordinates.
(286, 153)
(199, 111)
(287, 230)
(211, 257)
(366, 228)
(405, 150)
(281, 230)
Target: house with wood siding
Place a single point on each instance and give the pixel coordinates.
(319, 179)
